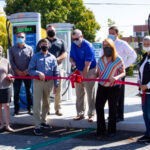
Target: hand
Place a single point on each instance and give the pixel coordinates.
(113, 79)
(19, 73)
(139, 82)
(54, 90)
(143, 87)
(42, 76)
(25, 73)
(9, 78)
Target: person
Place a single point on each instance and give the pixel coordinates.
(129, 56)
(42, 64)
(5, 90)
(58, 49)
(110, 66)
(82, 55)
(20, 55)
(144, 81)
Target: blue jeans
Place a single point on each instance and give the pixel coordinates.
(146, 114)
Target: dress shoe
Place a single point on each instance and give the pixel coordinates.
(119, 119)
(79, 118)
(58, 113)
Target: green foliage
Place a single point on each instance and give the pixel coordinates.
(110, 22)
(52, 11)
(129, 71)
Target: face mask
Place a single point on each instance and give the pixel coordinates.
(51, 33)
(111, 36)
(108, 51)
(44, 48)
(20, 40)
(147, 49)
(78, 42)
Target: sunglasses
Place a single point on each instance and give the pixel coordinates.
(76, 39)
(21, 37)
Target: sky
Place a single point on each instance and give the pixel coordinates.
(125, 16)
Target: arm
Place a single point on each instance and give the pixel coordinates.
(32, 67)
(86, 68)
(56, 73)
(62, 57)
(130, 53)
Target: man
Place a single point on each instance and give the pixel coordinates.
(129, 56)
(42, 64)
(20, 56)
(82, 55)
(58, 49)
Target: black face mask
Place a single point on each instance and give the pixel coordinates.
(108, 51)
(44, 48)
(51, 33)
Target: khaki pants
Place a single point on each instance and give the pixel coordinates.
(57, 100)
(89, 88)
(41, 95)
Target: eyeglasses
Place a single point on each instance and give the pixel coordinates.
(21, 37)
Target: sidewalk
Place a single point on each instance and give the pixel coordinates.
(133, 116)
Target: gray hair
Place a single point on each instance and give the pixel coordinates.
(78, 32)
(146, 38)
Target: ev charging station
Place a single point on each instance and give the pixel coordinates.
(29, 23)
(63, 31)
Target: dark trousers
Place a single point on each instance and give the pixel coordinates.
(146, 114)
(104, 94)
(17, 86)
(120, 103)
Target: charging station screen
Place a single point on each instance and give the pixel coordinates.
(30, 32)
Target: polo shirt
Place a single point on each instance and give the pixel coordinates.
(82, 54)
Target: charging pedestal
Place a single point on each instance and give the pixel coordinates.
(29, 23)
(63, 31)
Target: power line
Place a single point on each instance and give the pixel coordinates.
(127, 4)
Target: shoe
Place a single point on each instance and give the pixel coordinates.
(143, 139)
(45, 126)
(119, 119)
(15, 113)
(147, 142)
(58, 113)
(100, 136)
(111, 134)
(9, 129)
(90, 119)
(48, 113)
(37, 131)
(78, 118)
(30, 112)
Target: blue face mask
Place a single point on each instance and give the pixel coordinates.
(20, 40)
(111, 36)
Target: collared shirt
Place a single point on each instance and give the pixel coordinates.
(46, 64)
(20, 57)
(125, 51)
(83, 54)
(57, 47)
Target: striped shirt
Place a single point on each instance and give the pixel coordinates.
(109, 69)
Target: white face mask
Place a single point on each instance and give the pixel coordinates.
(147, 49)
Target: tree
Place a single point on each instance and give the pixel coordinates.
(52, 11)
(110, 22)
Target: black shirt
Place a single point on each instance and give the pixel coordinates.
(57, 47)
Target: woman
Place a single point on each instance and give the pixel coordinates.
(110, 66)
(5, 83)
(144, 81)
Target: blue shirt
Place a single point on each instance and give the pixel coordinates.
(46, 64)
(82, 54)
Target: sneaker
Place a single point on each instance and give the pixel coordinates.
(37, 131)
(143, 139)
(90, 119)
(45, 126)
(78, 118)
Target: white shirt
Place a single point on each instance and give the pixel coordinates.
(141, 72)
(125, 51)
